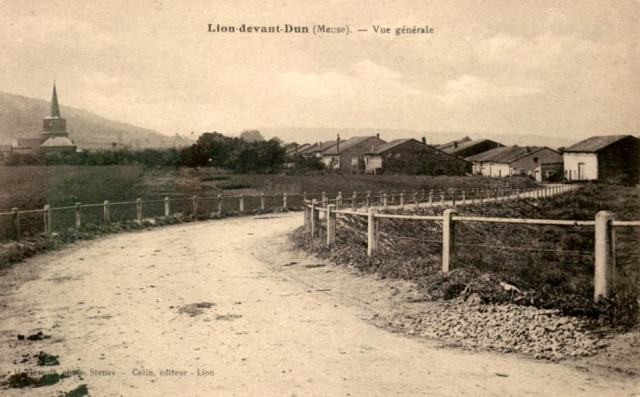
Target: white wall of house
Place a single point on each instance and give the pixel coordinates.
(494, 170)
(372, 163)
(580, 166)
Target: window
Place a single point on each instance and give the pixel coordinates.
(535, 159)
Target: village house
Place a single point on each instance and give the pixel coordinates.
(316, 149)
(348, 155)
(26, 145)
(467, 147)
(409, 156)
(513, 160)
(550, 171)
(610, 159)
(5, 151)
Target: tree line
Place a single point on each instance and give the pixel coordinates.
(212, 149)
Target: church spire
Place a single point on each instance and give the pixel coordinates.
(55, 108)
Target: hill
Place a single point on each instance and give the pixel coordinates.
(21, 117)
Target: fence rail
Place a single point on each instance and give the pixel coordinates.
(17, 224)
(604, 226)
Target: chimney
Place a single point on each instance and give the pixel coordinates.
(378, 135)
(338, 144)
(424, 140)
(455, 144)
(528, 149)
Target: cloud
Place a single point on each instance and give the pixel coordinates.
(362, 78)
(469, 89)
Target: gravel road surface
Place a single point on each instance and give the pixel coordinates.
(225, 308)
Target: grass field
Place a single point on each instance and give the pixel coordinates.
(551, 265)
(30, 187)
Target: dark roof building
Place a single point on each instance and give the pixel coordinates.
(512, 160)
(317, 148)
(607, 158)
(409, 156)
(348, 155)
(466, 148)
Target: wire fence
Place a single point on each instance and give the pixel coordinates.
(510, 245)
(19, 224)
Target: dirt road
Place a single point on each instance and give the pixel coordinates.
(269, 322)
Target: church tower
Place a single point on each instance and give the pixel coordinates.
(54, 124)
(54, 129)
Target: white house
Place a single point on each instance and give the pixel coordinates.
(613, 158)
(512, 160)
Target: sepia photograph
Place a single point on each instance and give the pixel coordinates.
(319, 198)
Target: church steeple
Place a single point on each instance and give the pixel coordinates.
(55, 108)
(54, 124)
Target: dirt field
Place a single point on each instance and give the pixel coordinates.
(228, 304)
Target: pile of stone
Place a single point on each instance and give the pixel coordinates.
(543, 334)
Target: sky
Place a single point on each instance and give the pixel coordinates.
(551, 68)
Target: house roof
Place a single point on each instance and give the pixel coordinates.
(349, 143)
(505, 154)
(595, 143)
(453, 149)
(453, 143)
(389, 145)
(318, 147)
(28, 142)
(57, 141)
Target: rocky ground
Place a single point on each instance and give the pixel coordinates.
(473, 311)
(227, 308)
(542, 334)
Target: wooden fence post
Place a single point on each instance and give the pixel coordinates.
(453, 197)
(15, 215)
(604, 254)
(139, 210)
(167, 207)
(307, 217)
(430, 197)
(47, 219)
(385, 201)
(106, 213)
(448, 239)
(372, 232)
(415, 199)
(331, 225)
(402, 199)
(441, 197)
(262, 201)
(368, 199)
(78, 218)
(219, 204)
(304, 196)
(464, 197)
(339, 201)
(241, 203)
(354, 201)
(380, 198)
(324, 199)
(194, 206)
(284, 200)
(315, 217)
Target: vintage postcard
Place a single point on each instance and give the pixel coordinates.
(319, 198)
